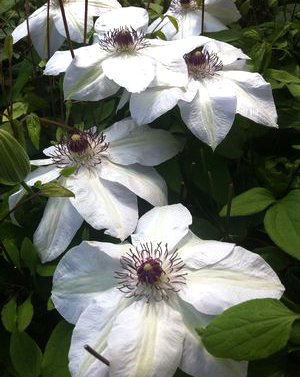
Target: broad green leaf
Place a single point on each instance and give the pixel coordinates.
(281, 76)
(24, 73)
(9, 315)
(28, 254)
(282, 223)
(25, 354)
(160, 35)
(46, 269)
(66, 172)
(252, 330)
(19, 109)
(156, 8)
(106, 110)
(34, 129)
(12, 252)
(24, 314)
(295, 333)
(55, 360)
(249, 202)
(174, 22)
(229, 35)
(6, 5)
(54, 189)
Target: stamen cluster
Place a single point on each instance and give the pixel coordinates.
(181, 6)
(202, 64)
(80, 149)
(123, 40)
(151, 273)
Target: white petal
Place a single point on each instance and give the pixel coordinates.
(104, 204)
(92, 328)
(146, 340)
(42, 162)
(224, 10)
(21, 30)
(75, 19)
(144, 181)
(254, 96)
(145, 107)
(196, 361)
(141, 144)
(165, 26)
(197, 253)
(168, 224)
(212, 23)
(134, 72)
(211, 113)
(97, 7)
(238, 277)
(49, 151)
(58, 63)
(134, 17)
(125, 97)
(189, 24)
(84, 274)
(56, 229)
(84, 79)
(227, 53)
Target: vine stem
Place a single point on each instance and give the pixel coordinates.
(202, 17)
(85, 21)
(62, 9)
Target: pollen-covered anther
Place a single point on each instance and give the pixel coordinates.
(151, 273)
(80, 149)
(123, 40)
(202, 64)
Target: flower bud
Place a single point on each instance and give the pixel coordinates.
(14, 162)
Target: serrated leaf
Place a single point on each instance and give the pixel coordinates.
(66, 172)
(9, 315)
(282, 223)
(34, 129)
(249, 202)
(55, 190)
(28, 254)
(25, 354)
(55, 360)
(174, 22)
(252, 330)
(24, 314)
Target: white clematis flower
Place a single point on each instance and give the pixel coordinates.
(218, 88)
(121, 58)
(112, 168)
(74, 10)
(217, 14)
(138, 305)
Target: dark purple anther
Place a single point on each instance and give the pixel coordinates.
(150, 271)
(78, 143)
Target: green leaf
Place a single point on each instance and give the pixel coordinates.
(46, 269)
(8, 47)
(174, 22)
(282, 223)
(249, 202)
(13, 252)
(34, 129)
(281, 76)
(55, 360)
(24, 314)
(55, 190)
(25, 354)
(295, 333)
(19, 109)
(252, 330)
(6, 5)
(106, 110)
(28, 254)
(9, 315)
(66, 172)
(156, 8)
(160, 35)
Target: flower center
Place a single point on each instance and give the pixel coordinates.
(80, 149)
(151, 273)
(182, 6)
(202, 64)
(123, 40)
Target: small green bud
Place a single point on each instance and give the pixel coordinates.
(14, 162)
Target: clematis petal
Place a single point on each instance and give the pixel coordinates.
(145, 107)
(196, 361)
(75, 18)
(224, 10)
(98, 7)
(168, 224)
(83, 275)
(211, 113)
(146, 340)
(92, 328)
(254, 96)
(132, 17)
(103, 204)
(238, 277)
(144, 181)
(84, 79)
(42, 162)
(140, 144)
(125, 97)
(212, 23)
(56, 229)
(38, 32)
(58, 63)
(227, 53)
(134, 72)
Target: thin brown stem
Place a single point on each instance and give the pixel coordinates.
(96, 354)
(56, 124)
(202, 17)
(66, 27)
(86, 3)
(48, 29)
(28, 35)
